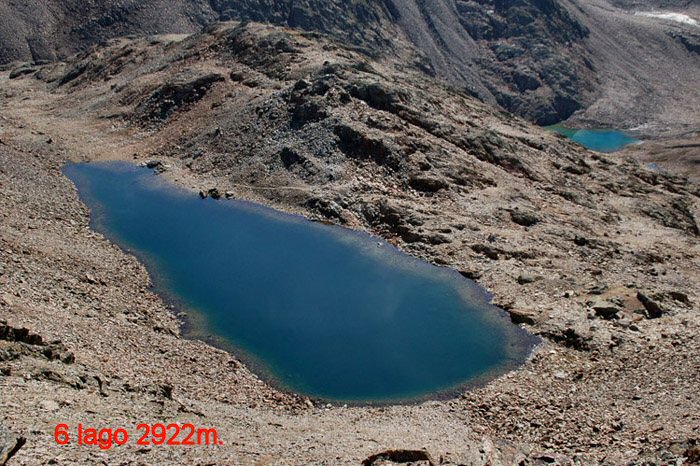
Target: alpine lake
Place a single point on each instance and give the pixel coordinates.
(319, 310)
(599, 140)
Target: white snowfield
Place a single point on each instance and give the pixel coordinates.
(677, 17)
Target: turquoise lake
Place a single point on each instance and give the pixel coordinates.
(600, 140)
(314, 309)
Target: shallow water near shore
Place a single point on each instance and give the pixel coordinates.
(600, 140)
(315, 309)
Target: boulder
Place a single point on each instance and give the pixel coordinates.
(525, 278)
(471, 274)
(653, 309)
(606, 309)
(308, 112)
(526, 219)
(379, 96)
(21, 335)
(580, 241)
(326, 207)
(437, 238)
(157, 166)
(521, 316)
(679, 297)
(21, 71)
(90, 278)
(570, 338)
(427, 183)
(488, 251)
(399, 457)
(356, 144)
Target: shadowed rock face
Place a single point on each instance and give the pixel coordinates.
(537, 49)
(361, 23)
(45, 30)
(522, 54)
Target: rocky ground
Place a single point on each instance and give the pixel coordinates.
(677, 154)
(595, 253)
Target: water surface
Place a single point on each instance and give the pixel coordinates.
(600, 140)
(318, 310)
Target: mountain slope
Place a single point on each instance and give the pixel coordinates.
(541, 59)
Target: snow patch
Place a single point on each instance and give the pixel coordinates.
(677, 17)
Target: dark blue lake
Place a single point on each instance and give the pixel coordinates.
(315, 309)
(600, 140)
